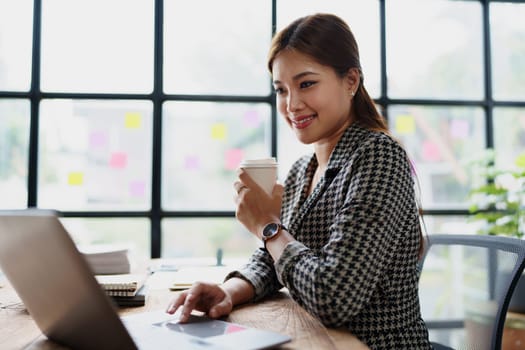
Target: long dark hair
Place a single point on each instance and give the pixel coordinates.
(328, 39)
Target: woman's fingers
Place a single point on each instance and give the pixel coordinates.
(192, 297)
(187, 307)
(178, 301)
(202, 296)
(187, 301)
(238, 186)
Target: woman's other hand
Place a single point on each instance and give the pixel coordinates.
(206, 297)
(255, 207)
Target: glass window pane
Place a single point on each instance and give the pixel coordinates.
(361, 16)
(132, 233)
(225, 52)
(440, 142)
(14, 156)
(95, 155)
(457, 283)
(429, 282)
(201, 238)
(97, 46)
(507, 29)
(16, 32)
(203, 144)
(436, 54)
(449, 224)
(509, 135)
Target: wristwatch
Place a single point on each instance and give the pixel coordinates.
(271, 231)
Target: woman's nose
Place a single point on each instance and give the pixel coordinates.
(293, 103)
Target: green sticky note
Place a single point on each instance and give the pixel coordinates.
(520, 161)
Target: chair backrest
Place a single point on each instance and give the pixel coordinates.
(465, 287)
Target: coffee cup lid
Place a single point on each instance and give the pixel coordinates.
(262, 162)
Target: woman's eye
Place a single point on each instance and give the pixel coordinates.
(306, 84)
(278, 91)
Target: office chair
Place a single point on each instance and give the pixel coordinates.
(465, 287)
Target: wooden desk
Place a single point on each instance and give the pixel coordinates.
(279, 313)
(514, 332)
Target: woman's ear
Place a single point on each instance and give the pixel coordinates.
(352, 80)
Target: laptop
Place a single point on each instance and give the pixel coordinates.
(58, 288)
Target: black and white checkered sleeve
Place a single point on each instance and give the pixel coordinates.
(260, 273)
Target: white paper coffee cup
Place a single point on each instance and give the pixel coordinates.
(263, 171)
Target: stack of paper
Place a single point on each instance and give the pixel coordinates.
(107, 259)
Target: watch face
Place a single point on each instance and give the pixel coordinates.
(270, 230)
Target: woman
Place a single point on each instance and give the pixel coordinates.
(343, 232)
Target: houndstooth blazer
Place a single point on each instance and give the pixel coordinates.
(354, 263)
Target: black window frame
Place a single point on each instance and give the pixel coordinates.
(156, 214)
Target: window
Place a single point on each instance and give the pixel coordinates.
(15, 45)
(131, 118)
(95, 154)
(97, 46)
(14, 147)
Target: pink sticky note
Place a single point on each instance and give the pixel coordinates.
(137, 188)
(98, 139)
(252, 119)
(118, 160)
(459, 128)
(192, 162)
(233, 158)
(431, 151)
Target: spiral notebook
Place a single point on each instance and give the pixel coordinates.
(121, 285)
(138, 299)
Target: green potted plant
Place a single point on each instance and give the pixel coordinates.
(498, 205)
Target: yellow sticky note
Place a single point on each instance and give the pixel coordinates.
(75, 179)
(133, 120)
(405, 124)
(218, 131)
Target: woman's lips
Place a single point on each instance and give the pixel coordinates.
(303, 121)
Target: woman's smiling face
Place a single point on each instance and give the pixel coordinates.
(312, 98)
